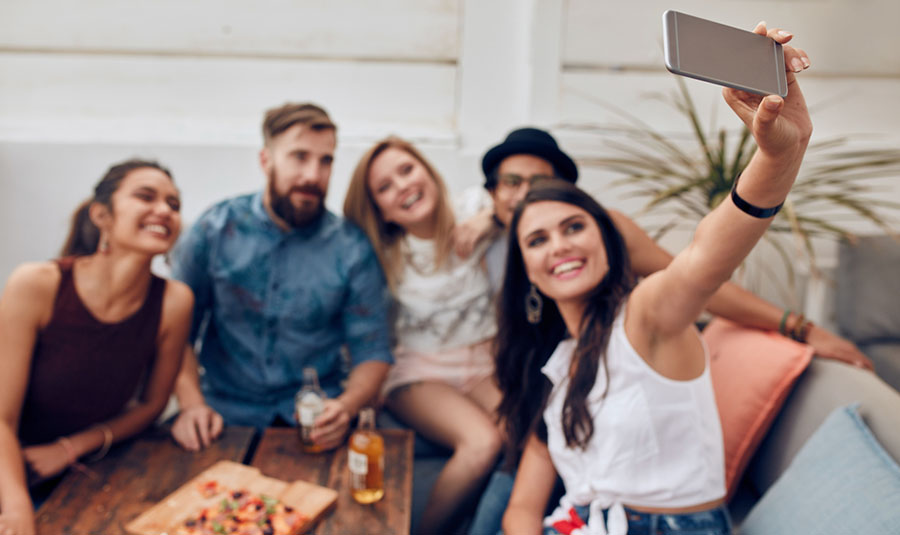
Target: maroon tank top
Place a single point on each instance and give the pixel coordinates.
(84, 371)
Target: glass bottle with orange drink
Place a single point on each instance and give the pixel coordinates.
(366, 460)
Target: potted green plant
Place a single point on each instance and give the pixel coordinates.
(686, 180)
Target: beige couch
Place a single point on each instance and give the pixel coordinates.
(824, 386)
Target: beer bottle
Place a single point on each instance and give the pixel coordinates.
(366, 460)
(308, 404)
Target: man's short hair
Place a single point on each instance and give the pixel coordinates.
(279, 119)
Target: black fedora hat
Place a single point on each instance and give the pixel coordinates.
(532, 141)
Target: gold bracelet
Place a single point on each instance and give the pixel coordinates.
(107, 442)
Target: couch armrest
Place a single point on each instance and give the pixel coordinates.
(824, 386)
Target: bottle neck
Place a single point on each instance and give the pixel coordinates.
(310, 378)
(367, 419)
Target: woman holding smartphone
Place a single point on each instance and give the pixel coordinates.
(607, 383)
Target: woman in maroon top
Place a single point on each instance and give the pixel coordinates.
(90, 344)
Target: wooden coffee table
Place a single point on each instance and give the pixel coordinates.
(133, 477)
(139, 473)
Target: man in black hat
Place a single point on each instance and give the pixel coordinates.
(525, 156)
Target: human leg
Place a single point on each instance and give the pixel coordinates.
(443, 414)
(486, 394)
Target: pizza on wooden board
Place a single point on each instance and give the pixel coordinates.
(240, 512)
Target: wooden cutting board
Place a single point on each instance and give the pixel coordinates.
(170, 513)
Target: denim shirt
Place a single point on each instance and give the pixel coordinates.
(269, 302)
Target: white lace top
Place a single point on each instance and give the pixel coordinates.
(442, 308)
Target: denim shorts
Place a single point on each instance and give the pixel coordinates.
(710, 522)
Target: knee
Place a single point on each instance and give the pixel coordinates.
(481, 448)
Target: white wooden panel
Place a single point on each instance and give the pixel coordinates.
(41, 183)
(509, 68)
(842, 37)
(72, 98)
(410, 29)
(846, 106)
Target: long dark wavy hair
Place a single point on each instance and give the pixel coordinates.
(84, 236)
(523, 348)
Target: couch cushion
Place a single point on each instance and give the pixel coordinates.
(866, 300)
(752, 373)
(826, 385)
(841, 481)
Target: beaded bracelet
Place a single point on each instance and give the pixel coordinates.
(801, 330)
(783, 322)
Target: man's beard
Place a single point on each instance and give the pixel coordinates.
(294, 216)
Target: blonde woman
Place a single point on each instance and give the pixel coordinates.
(441, 383)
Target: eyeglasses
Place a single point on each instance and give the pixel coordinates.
(513, 180)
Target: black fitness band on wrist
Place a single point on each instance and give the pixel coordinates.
(749, 209)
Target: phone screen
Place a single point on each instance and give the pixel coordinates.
(713, 52)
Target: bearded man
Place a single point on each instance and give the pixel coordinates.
(280, 284)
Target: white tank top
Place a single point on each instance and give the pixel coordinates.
(657, 441)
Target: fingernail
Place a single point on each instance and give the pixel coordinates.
(782, 33)
(797, 64)
(805, 61)
(772, 104)
(762, 22)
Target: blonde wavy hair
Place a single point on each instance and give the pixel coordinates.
(360, 208)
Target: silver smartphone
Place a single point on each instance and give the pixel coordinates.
(712, 52)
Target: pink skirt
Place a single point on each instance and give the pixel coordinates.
(461, 367)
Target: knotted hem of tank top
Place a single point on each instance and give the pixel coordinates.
(615, 524)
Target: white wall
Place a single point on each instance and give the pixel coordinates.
(84, 84)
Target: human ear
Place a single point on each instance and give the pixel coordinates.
(265, 159)
(100, 215)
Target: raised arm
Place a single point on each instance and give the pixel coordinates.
(25, 307)
(475, 220)
(731, 301)
(668, 302)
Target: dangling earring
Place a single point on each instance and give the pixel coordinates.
(104, 245)
(533, 306)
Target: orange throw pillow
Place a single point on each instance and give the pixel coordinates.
(752, 374)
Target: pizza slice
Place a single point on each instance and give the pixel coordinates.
(240, 512)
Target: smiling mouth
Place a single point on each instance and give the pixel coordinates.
(159, 229)
(412, 199)
(567, 267)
